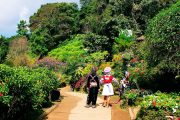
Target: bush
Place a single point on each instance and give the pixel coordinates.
(23, 90)
(163, 39)
(95, 43)
(162, 101)
(50, 63)
(161, 51)
(151, 115)
(123, 41)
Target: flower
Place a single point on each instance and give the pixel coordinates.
(133, 60)
(1, 94)
(154, 103)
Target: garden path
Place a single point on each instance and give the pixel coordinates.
(73, 107)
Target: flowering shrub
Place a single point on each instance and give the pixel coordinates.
(161, 101)
(138, 71)
(79, 83)
(50, 63)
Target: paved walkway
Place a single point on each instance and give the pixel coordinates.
(82, 113)
(72, 108)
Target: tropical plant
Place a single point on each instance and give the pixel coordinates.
(123, 42)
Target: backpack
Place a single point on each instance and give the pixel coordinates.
(107, 79)
(93, 82)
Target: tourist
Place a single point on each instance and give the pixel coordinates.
(92, 88)
(108, 91)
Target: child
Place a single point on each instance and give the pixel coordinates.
(106, 80)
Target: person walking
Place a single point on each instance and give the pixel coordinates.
(108, 91)
(92, 88)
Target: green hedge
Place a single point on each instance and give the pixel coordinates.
(164, 38)
(23, 90)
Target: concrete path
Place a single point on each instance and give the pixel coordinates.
(82, 113)
(73, 107)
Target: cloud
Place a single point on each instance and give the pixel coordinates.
(24, 14)
(15, 10)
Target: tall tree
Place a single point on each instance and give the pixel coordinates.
(3, 48)
(60, 20)
(22, 28)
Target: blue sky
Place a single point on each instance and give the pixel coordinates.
(12, 11)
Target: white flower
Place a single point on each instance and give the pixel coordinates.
(174, 110)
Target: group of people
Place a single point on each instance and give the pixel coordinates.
(93, 86)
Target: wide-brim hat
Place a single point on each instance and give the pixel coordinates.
(107, 69)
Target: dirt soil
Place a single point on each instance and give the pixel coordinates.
(117, 112)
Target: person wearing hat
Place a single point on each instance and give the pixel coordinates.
(92, 88)
(108, 91)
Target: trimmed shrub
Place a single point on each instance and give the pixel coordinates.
(23, 90)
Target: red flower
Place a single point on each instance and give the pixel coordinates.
(1, 94)
(142, 73)
(134, 60)
(154, 103)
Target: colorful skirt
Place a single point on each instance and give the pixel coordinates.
(108, 89)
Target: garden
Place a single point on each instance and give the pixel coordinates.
(138, 36)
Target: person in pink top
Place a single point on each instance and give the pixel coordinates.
(106, 81)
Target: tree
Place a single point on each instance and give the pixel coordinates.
(18, 50)
(164, 39)
(60, 20)
(162, 50)
(94, 43)
(41, 42)
(22, 28)
(3, 48)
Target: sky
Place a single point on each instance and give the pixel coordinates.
(12, 11)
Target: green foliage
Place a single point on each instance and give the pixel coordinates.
(131, 96)
(151, 115)
(98, 57)
(60, 21)
(123, 42)
(162, 101)
(161, 50)
(24, 89)
(70, 52)
(108, 16)
(95, 43)
(163, 39)
(22, 28)
(41, 42)
(3, 48)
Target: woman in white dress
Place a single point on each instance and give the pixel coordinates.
(107, 80)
